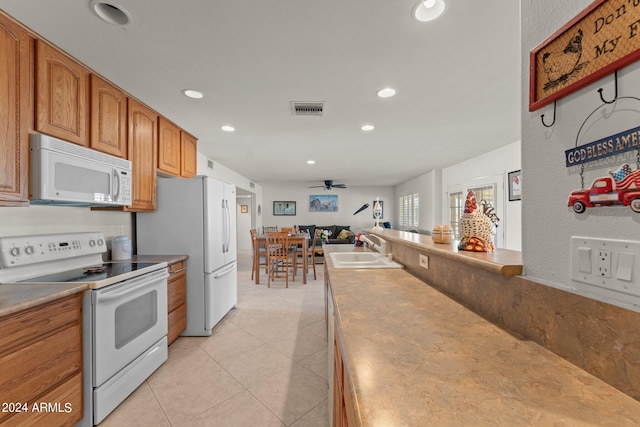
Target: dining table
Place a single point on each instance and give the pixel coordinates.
(301, 241)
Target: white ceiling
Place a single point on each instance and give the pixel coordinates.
(457, 78)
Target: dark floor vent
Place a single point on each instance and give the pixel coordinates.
(307, 108)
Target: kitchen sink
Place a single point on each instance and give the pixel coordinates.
(362, 260)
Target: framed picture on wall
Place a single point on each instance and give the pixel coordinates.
(381, 208)
(284, 208)
(515, 185)
(244, 208)
(323, 203)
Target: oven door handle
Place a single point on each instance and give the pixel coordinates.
(129, 286)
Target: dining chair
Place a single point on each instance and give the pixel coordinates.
(310, 262)
(266, 230)
(317, 250)
(279, 257)
(286, 229)
(258, 250)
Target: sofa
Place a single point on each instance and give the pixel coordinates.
(338, 234)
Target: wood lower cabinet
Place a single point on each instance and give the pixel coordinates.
(41, 364)
(177, 300)
(62, 95)
(108, 118)
(15, 115)
(341, 407)
(343, 410)
(142, 152)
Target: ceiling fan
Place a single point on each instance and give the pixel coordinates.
(328, 185)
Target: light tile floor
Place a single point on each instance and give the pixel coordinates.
(264, 365)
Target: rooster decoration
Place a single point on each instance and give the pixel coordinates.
(478, 225)
(560, 66)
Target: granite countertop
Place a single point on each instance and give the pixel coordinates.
(502, 261)
(14, 298)
(416, 357)
(169, 259)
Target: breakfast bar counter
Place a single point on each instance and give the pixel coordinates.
(413, 356)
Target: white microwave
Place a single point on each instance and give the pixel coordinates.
(63, 173)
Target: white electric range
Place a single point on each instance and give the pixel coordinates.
(124, 310)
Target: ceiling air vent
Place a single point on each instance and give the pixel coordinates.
(210, 163)
(252, 184)
(307, 108)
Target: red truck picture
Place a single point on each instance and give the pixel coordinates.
(621, 188)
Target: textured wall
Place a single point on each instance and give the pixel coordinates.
(548, 223)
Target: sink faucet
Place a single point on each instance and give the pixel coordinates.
(381, 248)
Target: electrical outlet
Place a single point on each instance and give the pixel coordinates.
(424, 261)
(610, 265)
(119, 230)
(603, 262)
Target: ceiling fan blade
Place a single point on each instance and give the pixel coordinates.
(339, 185)
(317, 186)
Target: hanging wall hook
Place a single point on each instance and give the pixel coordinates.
(554, 117)
(615, 96)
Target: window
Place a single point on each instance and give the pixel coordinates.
(457, 200)
(456, 207)
(409, 207)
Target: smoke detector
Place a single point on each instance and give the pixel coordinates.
(307, 108)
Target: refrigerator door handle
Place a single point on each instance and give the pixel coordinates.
(228, 211)
(225, 270)
(224, 228)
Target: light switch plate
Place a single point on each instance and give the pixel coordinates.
(610, 264)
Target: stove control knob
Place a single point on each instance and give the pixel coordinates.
(29, 250)
(92, 243)
(15, 251)
(100, 242)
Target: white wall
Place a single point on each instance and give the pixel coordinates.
(427, 186)
(548, 223)
(491, 166)
(349, 200)
(243, 225)
(17, 221)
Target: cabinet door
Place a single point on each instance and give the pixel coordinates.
(108, 118)
(168, 147)
(14, 113)
(62, 95)
(142, 143)
(189, 145)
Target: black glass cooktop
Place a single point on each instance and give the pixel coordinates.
(91, 274)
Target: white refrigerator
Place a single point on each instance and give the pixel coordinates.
(196, 217)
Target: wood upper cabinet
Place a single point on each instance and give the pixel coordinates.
(189, 152)
(62, 95)
(108, 118)
(177, 150)
(142, 152)
(15, 113)
(169, 159)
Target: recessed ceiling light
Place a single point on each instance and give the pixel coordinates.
(367, 127)
(386, 92)
(227, 128)
(311, 162)
(428, 10)
(111, 12)
(193, 94)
